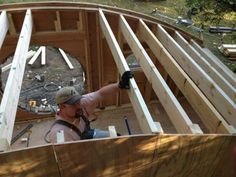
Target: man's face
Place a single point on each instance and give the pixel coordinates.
(69, 110)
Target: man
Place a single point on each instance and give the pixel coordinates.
(75, 109)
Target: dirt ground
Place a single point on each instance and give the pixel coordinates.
(41, 82)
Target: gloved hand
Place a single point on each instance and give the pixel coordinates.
(124, 82)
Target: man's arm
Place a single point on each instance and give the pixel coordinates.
(107, 91)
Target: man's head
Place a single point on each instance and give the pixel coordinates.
(67, 95)
(68, 100)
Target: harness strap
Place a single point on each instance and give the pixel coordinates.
(71, 126)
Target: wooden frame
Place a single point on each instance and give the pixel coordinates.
(3, 27)
(215, 62)
(208, 86)
(206, 111)
(173, 108)
(205, 65)
(144, 117)
(11, 94)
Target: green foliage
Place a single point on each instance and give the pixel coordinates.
(210, 12)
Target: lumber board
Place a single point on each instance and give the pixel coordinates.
(87, 54)
(29, 55)
(3, 27)
(206, 111)
(33, 59)
(66, 59)
(39, 161)
(207, 85)
(12, 29)
(11, 94)
(143, 115)
(211, 71)
(216, 63)
(176, 113)
(146, 155)
(43, 55)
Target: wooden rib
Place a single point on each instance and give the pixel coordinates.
(99, 54)
(207, 85)
(12, 29)
(211, 71)
(87, 56)
(80, 22)
(216, 63)
(58, 22)
(173, 108)
(3, 27)
(144, 117)
(11, 94)
(33, 59)
(206, 111)
(120, 42)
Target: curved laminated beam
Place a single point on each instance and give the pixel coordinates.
(3, 27)
(145, 120)
(173, 108)
(208, 86)
(213, 121)
(205, 65)
(215, 62)
(11, 94)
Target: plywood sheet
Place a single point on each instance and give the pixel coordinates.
(35, 162)
(150, 155)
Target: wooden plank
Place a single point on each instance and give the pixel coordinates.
(216, 63)
(211, 71)
(207, 85)
(112, 131)
(38, 161)
(11, 94)
(87, 55)
(43, 55)
(144, 117)
(12, 29)
(206, 111)
(66, 59)
(29, 55)
(158, 125)
(58, 22)
(173, 108)
(33, 59)
(3, 27)
(147, 155)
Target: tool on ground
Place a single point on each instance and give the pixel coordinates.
(21, 133)
(28, 138)
(127, 125)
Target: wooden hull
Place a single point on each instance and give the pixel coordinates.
(179, 86)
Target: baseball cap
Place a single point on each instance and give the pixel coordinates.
(67, 95)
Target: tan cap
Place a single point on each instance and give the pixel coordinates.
(67, 95)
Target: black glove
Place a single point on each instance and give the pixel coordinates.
(124, 82)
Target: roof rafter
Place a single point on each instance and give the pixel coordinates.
(145, 120)
(208, 86)
(213, 121)
(11, 94)
(173, 108)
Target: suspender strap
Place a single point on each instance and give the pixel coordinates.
(87, 122)
(71, 126)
